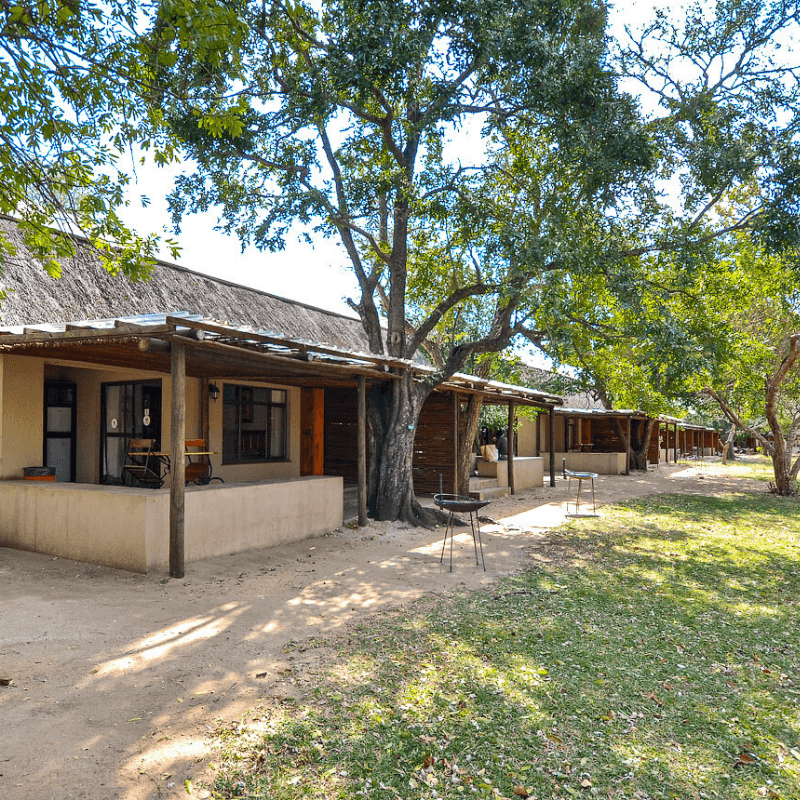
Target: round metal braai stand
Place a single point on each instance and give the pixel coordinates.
(458, 503)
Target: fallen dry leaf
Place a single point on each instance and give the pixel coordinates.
(428, 762)
(521, 791)
(586, 783)
(745, 759)
(652, 696)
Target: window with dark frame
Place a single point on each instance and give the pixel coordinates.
(254, 422)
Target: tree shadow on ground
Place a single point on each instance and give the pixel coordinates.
(650, 658)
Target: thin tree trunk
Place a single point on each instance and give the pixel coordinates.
(472, 421)
(728, 449)
(473, 417)
(780, 446)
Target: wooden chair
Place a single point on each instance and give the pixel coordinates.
(198, 467)
(143, 466)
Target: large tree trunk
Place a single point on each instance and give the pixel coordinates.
(784, 485)
(785, 476)
(623, 440)
(641, 443)
(393, 411)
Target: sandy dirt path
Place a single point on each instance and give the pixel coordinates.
(120, 679)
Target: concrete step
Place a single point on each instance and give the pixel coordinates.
(490, 492)
(481, 483)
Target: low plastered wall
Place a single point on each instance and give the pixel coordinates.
(528, 472)
(128, 528)
(601, 463)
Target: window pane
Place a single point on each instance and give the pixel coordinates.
(230, 427)
(113, 409)
(253, 445)
(59, 419)
(277, 444)
(59, 453)
(253, 429)
(59, 395)
(116, 453)
(258, 419)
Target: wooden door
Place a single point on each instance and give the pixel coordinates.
(312, 431)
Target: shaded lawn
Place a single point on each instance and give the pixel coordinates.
(650, 653)
(756, 467)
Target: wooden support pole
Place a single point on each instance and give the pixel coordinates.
(362, 451)
(205, 426)
(456, 412)
(538, 435)
(628, 450)
(178, 468)
(552, 426)
(658, 442)
(510, 447)
(676, 442)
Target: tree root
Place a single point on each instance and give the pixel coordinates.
(791, 491)
(429, 518)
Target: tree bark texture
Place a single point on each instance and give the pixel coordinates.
(641, 442)
(394, 412)
(483, 370)
(623, 440)
(472, 418)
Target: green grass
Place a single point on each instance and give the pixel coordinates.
(652, 653)
(757, 468)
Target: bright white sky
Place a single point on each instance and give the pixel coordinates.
(318, 274)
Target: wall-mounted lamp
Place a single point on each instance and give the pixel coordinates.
(213, 391)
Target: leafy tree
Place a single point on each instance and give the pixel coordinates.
(339, 116)
(756, 380)
(73, 85)
(720, 89)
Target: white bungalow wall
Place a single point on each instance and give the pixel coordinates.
(21, 418)
(21, 411)
(533, 435)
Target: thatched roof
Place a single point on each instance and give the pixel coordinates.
(560, 384)
(86, 291)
